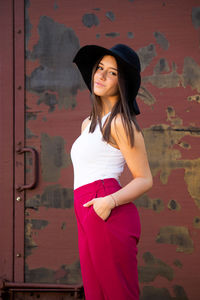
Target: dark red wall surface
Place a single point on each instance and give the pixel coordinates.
(166, 35)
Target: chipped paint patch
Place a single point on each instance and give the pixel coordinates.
(29, 241)
(176, 235)
(53, 157)
(171, 116)
(170, 80)
(110, 15)
(112, 34)
(130, 35)
(55, 6)
(49, 100)
(161, 66)
(145, 202)
(196, 17)
(146, 96)
(191, 73)
(192, 178)
(30, 134)
(174, 205)
(146, 55)
(66, 274)
(194, 98)
(153, 293)
(53, 196)
(177, 263)
(161, 40)
(154, 267)
(90, 20)
(55, 50)
(28, 25)
(196, 222)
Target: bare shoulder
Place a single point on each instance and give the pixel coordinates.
(136, 156)
(119, 133)
(85, 123)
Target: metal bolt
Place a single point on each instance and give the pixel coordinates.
(19, 31)
(18, 198)
(19, 87)
(18, 255)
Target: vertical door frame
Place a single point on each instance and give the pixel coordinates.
(19, 134)
(6, 139)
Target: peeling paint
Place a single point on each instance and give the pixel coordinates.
(130, 35)
(184, 145)
(154, 204)
(196, 222)
(112, 34)
(154, 267)
(161, 40)
(29, 242)
(164, 158)
(190, 76)
(196, 17)
(146, 96)
(194, 98)
(110, 15)
(53, 196)
(38, 224)
(49, 100)
(173, 205)
(191, 73)
(28, 25)
(55, 6)
(171, 116)
(55, 51)
(63, 226)
(30, 134)
(67, 274)
(176, 235)
(177, 263)
(90, 20)
(31, 116)
(53, 157)
(161, 66)
(153, 293)
(171, 80)
(146, 55)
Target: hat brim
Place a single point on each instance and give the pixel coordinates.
(86, 59)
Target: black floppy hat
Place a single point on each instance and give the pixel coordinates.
(128, 63)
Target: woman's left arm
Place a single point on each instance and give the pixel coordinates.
(137, 162)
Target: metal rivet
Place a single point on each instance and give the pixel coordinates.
(19, 31)
(18, 199)
(18, 255)
(19, 87)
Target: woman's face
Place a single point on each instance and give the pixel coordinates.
(106, 78)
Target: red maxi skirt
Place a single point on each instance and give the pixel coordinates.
(107, 249)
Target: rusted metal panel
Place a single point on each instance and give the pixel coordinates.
(169, 101)
(6, 140)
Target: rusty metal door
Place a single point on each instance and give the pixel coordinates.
(46, 250)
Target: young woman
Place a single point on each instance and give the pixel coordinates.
(108, 221)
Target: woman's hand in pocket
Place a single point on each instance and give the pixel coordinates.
(102, 206)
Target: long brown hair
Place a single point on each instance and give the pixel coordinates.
(121, 107)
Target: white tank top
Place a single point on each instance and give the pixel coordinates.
(94, 159)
